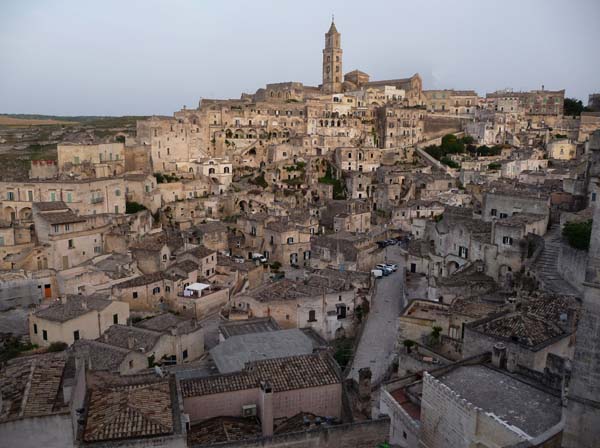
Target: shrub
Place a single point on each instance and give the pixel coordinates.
(57, 347)
(578, 234)
(408, 344)
(449, 162)
(133, 207)
(494, 166)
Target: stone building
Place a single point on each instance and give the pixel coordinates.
(75, 318)
(273, 390)
(457, 102)
(583, 398)
(86, 197)
(325, 305)
(94, 161)
(470, 403)
(68, 239)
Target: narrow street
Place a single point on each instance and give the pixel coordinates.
(376, 346)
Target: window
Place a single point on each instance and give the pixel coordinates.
(463, 252)
(55, 228)
(493, 212)
(69, 197)
(10, 196)
(117, 192)
(185, 354)
(71, 244)
(507, 240)
(135, 294)
(167, 289)
(44, 335)
(52, 196)
(67, 227)
(594, 197)
(156, 290)
(35, 328)
(503, 215)
(226, 170)
(312, 316)
(30, 196)
(115, 319)
(76, 335)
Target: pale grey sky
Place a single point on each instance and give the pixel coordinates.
(116, 57)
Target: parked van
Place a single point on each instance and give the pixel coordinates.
(259, 257)
(377, 273)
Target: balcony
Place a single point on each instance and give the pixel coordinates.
(98, 200)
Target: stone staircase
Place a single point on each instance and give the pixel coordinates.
(546, 266)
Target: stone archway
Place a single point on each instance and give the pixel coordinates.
(9, 214)
(25, 214)
(452, 267)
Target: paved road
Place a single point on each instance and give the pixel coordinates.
(379, 335)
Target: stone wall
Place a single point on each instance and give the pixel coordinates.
(365, 434)
(572, 265)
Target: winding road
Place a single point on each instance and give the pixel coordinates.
(376, 346)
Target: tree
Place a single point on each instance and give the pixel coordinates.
(133, 207)
(436, 331)
(408, 344)
(578, 234)
(574, 107)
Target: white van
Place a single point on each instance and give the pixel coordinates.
(259, 257)
(377, 273)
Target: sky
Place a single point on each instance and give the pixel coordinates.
(143, 57)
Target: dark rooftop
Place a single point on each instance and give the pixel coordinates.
(530, 409)
(129, 411)
(73, 307)
(257, 325)
(295, 372)
(31, 387)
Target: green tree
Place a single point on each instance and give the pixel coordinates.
(578, 234)
(574, 107)
(133, 207)
(408, 344)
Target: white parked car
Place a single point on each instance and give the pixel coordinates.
(392, 266)
(386, 270)
(259, 257)
(377, 273)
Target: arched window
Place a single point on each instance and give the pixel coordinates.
(164, 257)
(226, 170)
(211, 171)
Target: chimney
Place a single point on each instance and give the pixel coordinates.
(511, 361)
(63, 299)
(130, 342)
(499, 355)
(266, 409)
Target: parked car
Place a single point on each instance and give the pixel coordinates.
(259, 257)
(386, 270)
(377, 273)
(238, 259)
(392, 266)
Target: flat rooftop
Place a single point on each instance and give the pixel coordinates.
(519, 404)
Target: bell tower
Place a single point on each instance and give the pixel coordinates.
(332, 61)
